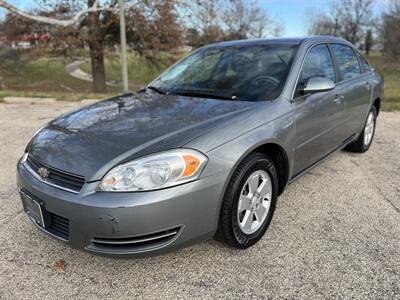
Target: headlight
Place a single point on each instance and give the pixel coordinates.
(154, 172)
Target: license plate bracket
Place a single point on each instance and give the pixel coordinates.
(33, 209)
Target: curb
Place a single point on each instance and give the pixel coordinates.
(22, 100)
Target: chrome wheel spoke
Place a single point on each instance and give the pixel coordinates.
(264, 188)
(260, 211)
(253, 183)
(248, 220)
(244, 203)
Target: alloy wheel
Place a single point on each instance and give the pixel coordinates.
(369, 129)
(254, 202)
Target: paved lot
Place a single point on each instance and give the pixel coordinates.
(336, 233)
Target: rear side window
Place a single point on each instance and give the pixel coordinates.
(318, 63)
(347, 61)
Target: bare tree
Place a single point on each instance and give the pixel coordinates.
(357, 14)
(216, 20)
(350, 19)
(204, 17)
(321, 24)
(391, 30)
(245, 19)
(73, 21)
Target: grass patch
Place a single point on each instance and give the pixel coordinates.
(24, 74)
(42, 75)
(391, 72)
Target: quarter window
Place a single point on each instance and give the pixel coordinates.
(347, 61)
(318, 63)
(365, 64)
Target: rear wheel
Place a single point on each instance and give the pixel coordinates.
(249, 202)
(364, 141)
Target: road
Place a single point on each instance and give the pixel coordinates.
(335, 234)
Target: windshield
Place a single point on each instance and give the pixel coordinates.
(249, 73)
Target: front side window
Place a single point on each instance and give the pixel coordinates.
(318, 63)
(347, 61)
(244, 72)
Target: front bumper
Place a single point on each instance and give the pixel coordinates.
(129, 223)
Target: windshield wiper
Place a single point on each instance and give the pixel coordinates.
(160, 91)
(203, 95)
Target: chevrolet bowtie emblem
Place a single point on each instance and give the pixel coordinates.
(43, 172)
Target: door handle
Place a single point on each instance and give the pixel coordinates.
(368, 86)
(339, 99)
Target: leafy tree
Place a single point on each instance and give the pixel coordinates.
(152, 25)
(81, 15)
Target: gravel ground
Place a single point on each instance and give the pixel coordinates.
(335, 234)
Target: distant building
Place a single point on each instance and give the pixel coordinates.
(28, 40)
(184, 48)
(377, 47)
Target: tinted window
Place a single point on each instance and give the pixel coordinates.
(347, 61)
(364, 64)
(318, 63)
(248, 72)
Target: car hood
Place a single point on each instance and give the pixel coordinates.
(92, 139)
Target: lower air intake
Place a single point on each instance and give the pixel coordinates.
(135, 244)
(58, 226)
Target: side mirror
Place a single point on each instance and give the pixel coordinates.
(318, 84)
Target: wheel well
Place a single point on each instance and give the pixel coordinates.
(278, 155)
(377, 104)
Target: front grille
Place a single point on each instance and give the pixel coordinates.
(135, 244)
(56, 177)
(58, 226)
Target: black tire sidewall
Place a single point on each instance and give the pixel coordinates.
(254, 163)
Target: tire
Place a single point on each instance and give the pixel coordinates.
(361, 144)
(232, 229)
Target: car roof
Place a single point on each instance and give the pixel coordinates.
(288, 41)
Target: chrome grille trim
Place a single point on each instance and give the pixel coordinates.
(135, 244)
(133, 241)
(30, 170)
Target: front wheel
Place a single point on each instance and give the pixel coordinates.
(364, 141)
(249, 202)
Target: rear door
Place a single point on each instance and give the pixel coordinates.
(318, 117)
(356, 85)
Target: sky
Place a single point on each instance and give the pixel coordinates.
(293, 14)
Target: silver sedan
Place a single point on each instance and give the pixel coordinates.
(203, 151)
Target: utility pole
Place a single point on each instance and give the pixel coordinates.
(124, 60)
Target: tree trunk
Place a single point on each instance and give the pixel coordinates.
(96, 46)
(98, 70)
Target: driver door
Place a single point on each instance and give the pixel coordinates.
(317, 116)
